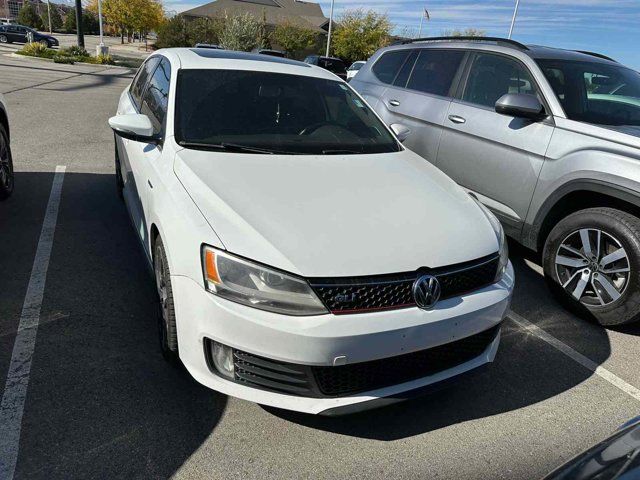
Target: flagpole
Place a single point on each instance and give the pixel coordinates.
(513, 20)
(421, 21)
(330, 27)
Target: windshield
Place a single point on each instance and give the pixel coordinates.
(597, 93)
(356, 66)
(271, 111)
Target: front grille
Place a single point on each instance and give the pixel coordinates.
(322, 382)
(386, 292)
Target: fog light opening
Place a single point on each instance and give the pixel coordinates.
(223, 359)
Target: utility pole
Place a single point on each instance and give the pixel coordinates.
(49, 14)
(330, 27)
(513, 20)
(79, 23)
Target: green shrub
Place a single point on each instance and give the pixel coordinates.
(34, 49)
(63, 59)
(74, 51)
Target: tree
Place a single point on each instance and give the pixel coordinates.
(359, 33)
(240, 32)
(467, 32)
(293, 39)
(56, 19)
(28, 16)
(70, 21)
(180, 32)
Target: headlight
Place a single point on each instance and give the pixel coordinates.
(257, 286)
(502, 240)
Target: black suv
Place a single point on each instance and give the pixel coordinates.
(334, 65)
(20, 34)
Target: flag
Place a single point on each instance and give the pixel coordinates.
(426, 14)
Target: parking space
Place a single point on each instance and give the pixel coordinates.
(101, 402)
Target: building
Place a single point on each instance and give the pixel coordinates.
(9, 9)
(302, 14)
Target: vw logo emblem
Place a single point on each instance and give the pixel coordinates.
(426, 291)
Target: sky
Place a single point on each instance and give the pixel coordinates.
(611, 27)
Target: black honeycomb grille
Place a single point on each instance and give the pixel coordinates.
(386, 292)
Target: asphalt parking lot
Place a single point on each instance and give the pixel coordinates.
(101, 402)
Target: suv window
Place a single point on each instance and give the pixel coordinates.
(333, 65)
(493, 76)
(405, 71)
(387, 66)
(156, 96)
(137, 86)
(435, 70)
(595, 92)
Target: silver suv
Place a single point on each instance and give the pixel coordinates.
(548, 139)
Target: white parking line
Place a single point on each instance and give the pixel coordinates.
(15, 391)
(575, 356)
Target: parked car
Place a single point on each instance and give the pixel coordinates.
(547, 138)
(267, 51)
(6, 161)
(209, 45)
(20, 34)
(615, 458)
(304, 259)
(334, 65)
(353, 69)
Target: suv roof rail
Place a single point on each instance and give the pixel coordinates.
(497, 40)
(599, 55)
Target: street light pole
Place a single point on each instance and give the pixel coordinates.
(513, 20)
(330, 27)
(49, 15)
(100, 21)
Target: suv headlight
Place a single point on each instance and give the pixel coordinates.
(502, 240)
(257, 286)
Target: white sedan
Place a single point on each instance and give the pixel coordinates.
(304, 258)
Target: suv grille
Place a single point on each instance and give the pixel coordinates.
(386, 292)
(322, 382)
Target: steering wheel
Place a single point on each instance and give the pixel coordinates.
(308, 130)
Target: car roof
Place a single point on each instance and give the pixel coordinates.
(482, 43)
(207, 58)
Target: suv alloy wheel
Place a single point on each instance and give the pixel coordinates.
(592, 262)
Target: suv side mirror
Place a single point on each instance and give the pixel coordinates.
(401, 131)
(136, 127)
(520, 105)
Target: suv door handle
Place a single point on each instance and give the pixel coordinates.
(394, 103)
(457, 119)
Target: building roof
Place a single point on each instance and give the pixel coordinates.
(302, 14)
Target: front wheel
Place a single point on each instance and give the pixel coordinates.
(592, 263)
(6, 165)
(4, 39)
(166, 315)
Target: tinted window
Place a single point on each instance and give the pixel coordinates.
(405, 71)
(137, 86)
(288, 114)
(598, 93)
(493, 76)
(156, 96)
(333, 65)
(434, 71)
(388, 65)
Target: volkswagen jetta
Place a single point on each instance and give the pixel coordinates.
(304, 258)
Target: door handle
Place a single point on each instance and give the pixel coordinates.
(457, 119)
(394, 103)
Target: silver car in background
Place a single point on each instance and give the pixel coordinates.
(547, 138)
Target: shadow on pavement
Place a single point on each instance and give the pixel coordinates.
(102, 403)
(526, 371)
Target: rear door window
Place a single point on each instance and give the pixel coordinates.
(389, 64)
(492, 76)
(405, 71)
(435, 70)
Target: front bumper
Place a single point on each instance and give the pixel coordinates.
(328, 340)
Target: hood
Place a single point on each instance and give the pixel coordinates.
(325, 216)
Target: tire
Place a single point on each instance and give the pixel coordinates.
(6, 165)
(119, 180)
(4, 39)
(605, 285)
(168, 334)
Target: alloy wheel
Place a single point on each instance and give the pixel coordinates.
(593, 267)
(6, 168)
(3, 39)
(163, 295)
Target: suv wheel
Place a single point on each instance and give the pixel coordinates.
(592, 263)
(6, 165)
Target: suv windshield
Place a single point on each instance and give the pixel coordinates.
(597, 93)
(275, 112)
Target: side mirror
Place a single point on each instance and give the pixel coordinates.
(401, 131)
(520, 105)
(136, 127)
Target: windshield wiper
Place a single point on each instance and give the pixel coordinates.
(229, 147)
(339, 152)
